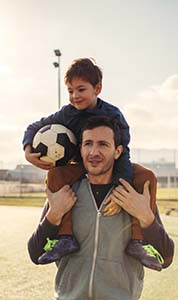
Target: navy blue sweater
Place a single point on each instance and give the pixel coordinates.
(74, 119)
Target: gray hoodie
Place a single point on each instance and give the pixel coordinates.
(100, 270)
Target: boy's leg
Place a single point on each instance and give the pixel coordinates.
(135, 247)
(67, 243)
(56, 179)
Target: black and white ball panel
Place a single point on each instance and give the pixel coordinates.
(56, 143)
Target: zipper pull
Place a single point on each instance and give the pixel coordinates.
(99, 213)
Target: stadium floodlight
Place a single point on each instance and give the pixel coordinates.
(57, 65)
(57, 52)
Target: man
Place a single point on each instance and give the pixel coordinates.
(100, 270)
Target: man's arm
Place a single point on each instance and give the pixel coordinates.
(156, 235)
(138, 205)
(59, 204)
(39, 237)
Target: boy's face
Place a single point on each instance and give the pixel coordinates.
(83, 94)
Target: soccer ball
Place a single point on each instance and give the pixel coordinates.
(56, 143)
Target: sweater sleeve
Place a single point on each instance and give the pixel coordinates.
(39, 237)
(56, 118)
(157, 236)
(123, 167)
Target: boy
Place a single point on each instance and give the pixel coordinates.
(84, 82)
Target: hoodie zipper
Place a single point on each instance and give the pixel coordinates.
(90, 294)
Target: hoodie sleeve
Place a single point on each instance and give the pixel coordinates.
(39, 237)
(157, 236)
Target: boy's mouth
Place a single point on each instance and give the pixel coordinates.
(78, 102)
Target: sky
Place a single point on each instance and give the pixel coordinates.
(134, 42)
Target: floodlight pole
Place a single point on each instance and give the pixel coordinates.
(57, 65)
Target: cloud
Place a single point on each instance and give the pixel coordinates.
(170, 84)
(153, 116)
(17, 107)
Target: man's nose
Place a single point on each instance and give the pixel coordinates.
(94, 150)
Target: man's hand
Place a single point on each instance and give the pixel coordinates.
(59, 203)
(137, 205)
(34, 159)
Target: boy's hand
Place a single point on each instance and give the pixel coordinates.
(112, 208)
(34, 159)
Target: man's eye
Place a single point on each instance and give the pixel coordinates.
(70, 92)
(81, 90)
(87, 144)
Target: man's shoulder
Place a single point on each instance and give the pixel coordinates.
(76, 185)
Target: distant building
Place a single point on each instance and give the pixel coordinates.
(3, 174)
(166, 172)
(24, 173)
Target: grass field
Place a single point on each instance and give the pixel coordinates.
(38, 199)
(167, 193)
(22, 280)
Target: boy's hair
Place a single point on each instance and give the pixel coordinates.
(98, 121)
(85, 69)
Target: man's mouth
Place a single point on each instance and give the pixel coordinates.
(94, 162)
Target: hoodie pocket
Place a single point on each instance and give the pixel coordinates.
(73, 282)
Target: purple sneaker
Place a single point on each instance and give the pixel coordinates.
(67, 244)
(147, 255)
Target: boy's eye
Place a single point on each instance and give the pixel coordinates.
(81, 89)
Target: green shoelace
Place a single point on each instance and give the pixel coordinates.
(154, 253)
(50, 244)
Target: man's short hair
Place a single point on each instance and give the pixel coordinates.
(110, 122)
(85, 69)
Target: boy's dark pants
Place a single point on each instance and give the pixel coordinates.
(60, 176)
(56, 179)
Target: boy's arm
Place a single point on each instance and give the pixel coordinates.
(34, 158)
(31, 130)
(125, 131)
(123, 166)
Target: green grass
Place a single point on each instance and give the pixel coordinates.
(23, 201)
(167, 193)
(170, 197)
(25, 195)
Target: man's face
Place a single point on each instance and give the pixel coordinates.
(98, 153)
(82, 94)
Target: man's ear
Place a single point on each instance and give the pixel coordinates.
(118, 151)
(98, 88)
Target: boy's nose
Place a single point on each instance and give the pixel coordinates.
(75, 95)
